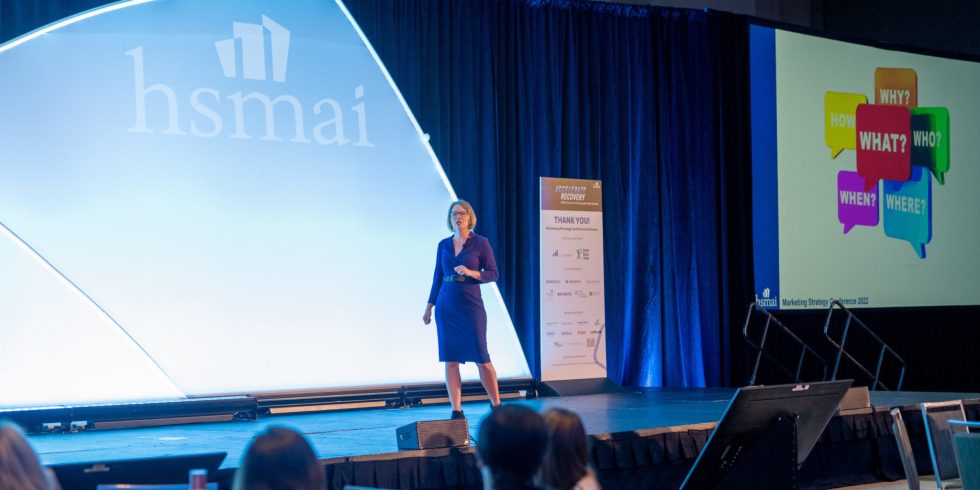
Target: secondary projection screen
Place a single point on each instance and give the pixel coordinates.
(865, 170)
(206, 198)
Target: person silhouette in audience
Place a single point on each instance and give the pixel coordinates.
(565, 465)
(512, 440)
(19, 467)
(279, 458)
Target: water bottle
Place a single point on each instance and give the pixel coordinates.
(198, 480)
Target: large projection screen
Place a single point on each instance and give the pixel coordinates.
(865, 170)
(209, 198)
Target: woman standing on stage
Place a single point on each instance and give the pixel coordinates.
(463, 262)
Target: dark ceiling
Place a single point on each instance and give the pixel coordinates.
(944, 25)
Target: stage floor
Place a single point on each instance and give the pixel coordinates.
(371, 432)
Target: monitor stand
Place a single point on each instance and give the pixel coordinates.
(767, 462)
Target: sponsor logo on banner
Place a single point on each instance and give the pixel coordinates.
(559, 254)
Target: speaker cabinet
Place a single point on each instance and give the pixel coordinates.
(433, 434)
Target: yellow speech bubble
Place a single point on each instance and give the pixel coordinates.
(839, 120)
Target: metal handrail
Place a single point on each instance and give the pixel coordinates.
(841, 352)
(760, 346)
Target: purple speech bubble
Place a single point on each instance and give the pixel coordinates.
(854, 205)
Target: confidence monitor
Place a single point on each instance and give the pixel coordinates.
(137, 471)
(765, 435)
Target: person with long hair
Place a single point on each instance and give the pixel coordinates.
(279, 458)
(464, 261)
(19, 467)
(566, 461)
(509, 448)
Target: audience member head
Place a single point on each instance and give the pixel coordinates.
(279, 458)
(511, 443)
(19, 466)
(567, 458)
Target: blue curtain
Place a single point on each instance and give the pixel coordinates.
(22, 16)
(652, 101)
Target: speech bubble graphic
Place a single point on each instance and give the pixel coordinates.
(883, 143)
(930, 140)
(839, 120)
(908, 210)
(854, 205)
(896, 86)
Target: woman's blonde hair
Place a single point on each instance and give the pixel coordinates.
(469, 209)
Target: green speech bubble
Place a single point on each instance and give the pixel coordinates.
(930, 140)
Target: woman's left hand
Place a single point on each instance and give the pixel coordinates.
(463, 271)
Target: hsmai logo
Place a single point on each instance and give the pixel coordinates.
(251, 39)
(767, 300)
(211, 109)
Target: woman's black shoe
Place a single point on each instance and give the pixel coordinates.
(458, 414)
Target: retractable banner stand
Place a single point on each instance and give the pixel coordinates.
(573, 315)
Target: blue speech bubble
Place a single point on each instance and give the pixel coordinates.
(907, 209)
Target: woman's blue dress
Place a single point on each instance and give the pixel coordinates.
(461, 321)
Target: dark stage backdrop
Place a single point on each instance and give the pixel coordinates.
(653, 102)
(649, 100)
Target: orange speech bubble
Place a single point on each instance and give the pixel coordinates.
(896, 86)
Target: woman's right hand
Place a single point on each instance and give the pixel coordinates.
(427, 316)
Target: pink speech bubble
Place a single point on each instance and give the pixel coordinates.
(884, 143)
(855, 206)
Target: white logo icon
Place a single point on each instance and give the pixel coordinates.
(766, 301)
(252, 38)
